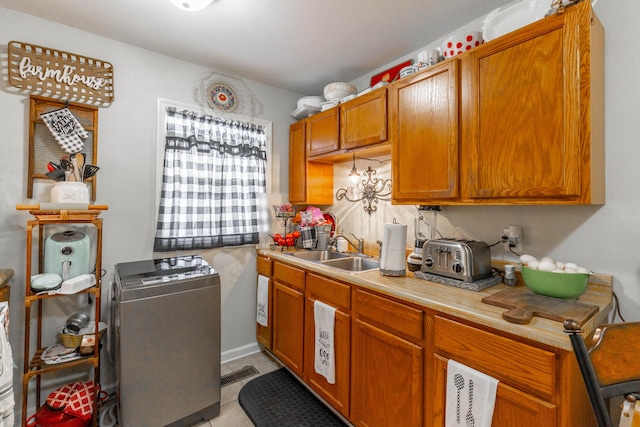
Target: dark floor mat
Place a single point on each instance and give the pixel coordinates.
(277, 399)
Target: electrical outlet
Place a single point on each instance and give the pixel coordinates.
(504, 238)
(512, 239)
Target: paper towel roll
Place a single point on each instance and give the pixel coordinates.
(394, 243)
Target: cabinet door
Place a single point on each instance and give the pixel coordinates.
(363, 121)
(526, 113)
(512, 407)
(337, 394)
(309, 182)
(288, 326)
(387, 379)
(323, 132)
(423, 129)
(297, 163)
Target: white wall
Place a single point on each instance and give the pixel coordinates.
(602, 238)
(127, 158)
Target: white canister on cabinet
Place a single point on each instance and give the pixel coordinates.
(69, 192)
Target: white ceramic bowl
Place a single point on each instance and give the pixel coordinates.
(339, 90)
(407, 71)
(461, 42)
(310, 101)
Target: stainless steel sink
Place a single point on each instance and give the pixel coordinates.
(353, 263)
(319, 256)
(350, 262)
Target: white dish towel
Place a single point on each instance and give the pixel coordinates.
(7, 402)
(324, 319)
(262, 305)
(471, 396)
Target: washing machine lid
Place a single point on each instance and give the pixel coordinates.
(156, 271)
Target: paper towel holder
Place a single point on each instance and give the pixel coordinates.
(372, 189)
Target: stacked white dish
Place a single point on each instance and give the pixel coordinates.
(504, 20)
(408, 70)
(308, 106)
(329, 104)
(310, 101)
(365, 91)
(339, 90)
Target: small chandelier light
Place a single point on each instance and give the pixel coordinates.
(369, 191)
(191, 5)
(354, 175)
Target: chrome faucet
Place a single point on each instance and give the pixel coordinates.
(359, 247)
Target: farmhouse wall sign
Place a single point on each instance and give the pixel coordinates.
(60, 75)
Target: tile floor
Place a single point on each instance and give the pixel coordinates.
(231, 414)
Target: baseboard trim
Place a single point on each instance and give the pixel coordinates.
(239, 352)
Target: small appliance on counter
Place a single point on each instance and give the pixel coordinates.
(425, 229)
(465, 260)
(67, 254)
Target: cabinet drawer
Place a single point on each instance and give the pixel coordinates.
(264, 265)
(290, 275)
(329, 291)
(389, 315)
(520, 365)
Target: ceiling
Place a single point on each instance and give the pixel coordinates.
(299, 45)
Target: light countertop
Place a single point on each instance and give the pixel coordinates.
(5, 276)
(466, 304)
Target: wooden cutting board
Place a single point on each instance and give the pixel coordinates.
(524, 304)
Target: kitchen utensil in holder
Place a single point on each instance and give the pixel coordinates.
(323, 234)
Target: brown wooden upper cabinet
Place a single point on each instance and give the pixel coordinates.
(331, 136)
(364, 120)
(358, 125)
(530, 123)
(309, 182)
(423, 121)
(323, 132)
(533, 118)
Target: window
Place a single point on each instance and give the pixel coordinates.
(213, 172)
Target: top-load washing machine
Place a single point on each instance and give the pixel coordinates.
(166, 325)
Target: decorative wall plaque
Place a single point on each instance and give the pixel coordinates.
(221, 96)
(60, 75)
(225, 95)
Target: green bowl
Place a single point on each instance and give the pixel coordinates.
(558, 285)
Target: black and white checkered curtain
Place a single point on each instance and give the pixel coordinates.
(214, 170)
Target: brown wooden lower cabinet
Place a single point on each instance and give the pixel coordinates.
(387, 376)
(337, 394)
(391, 359)
(288, 321)
(537, 386)
(386, 379)
(337, 295)
(288, 315)
(513, 407)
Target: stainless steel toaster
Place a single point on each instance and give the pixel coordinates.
(466, 260)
